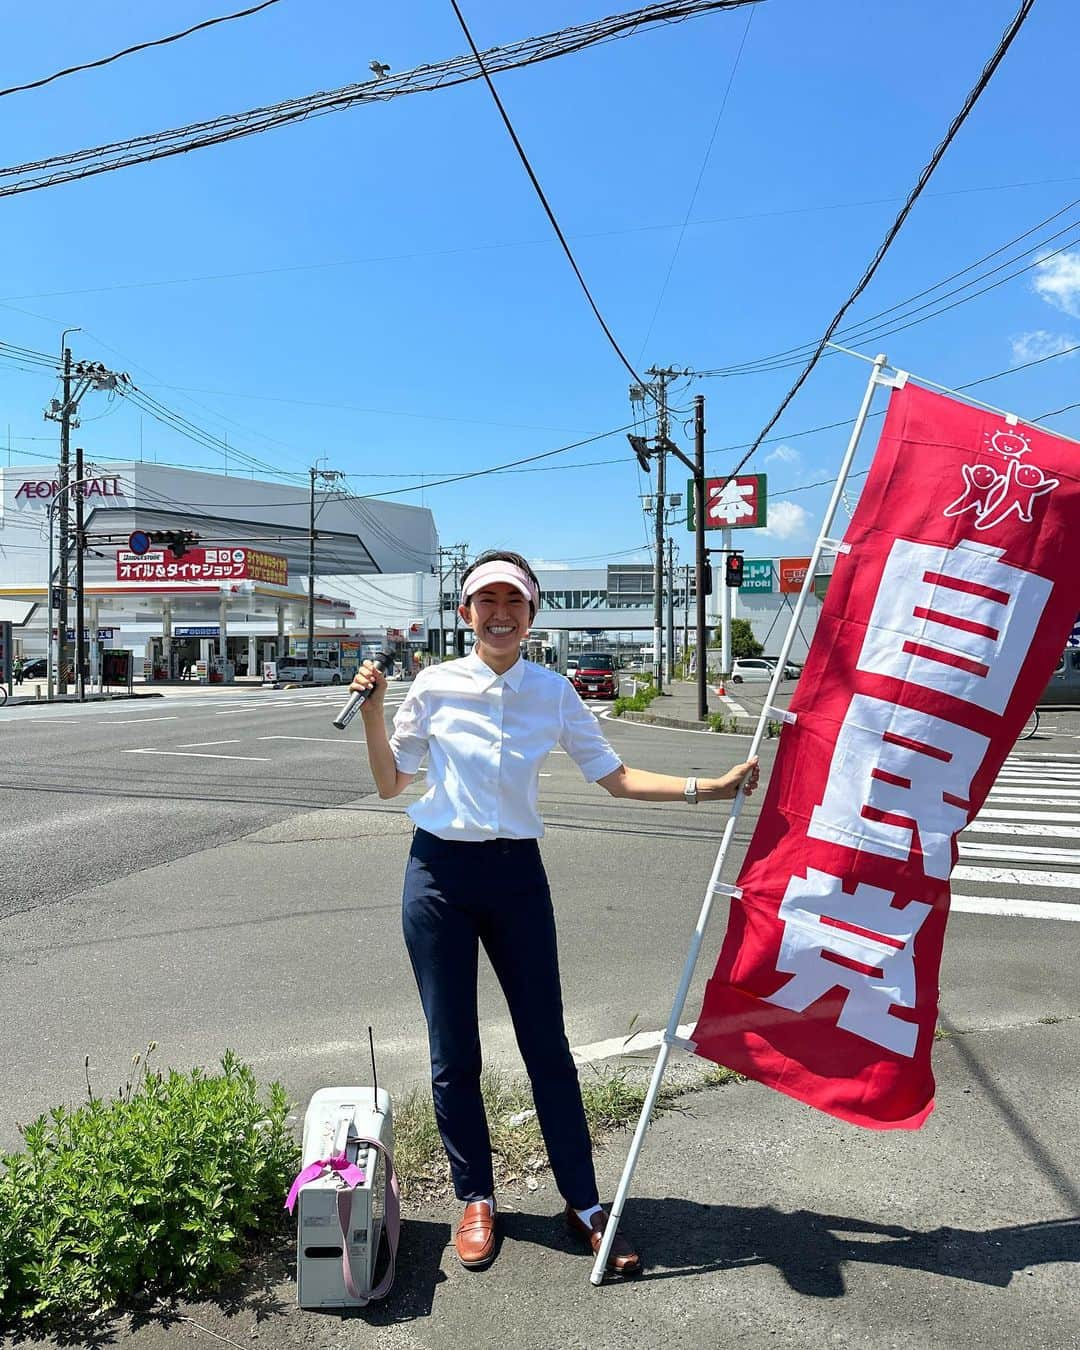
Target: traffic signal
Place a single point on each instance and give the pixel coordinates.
(706, 580)
(177, 541)
(733, 569)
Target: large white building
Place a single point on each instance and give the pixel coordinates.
(608, 607)
(239, 594)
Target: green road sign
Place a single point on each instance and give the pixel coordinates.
(757, 576)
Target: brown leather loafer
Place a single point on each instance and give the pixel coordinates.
(622, 1259)
(474, 1240)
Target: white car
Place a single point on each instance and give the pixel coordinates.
(751, 668)
(294, 670)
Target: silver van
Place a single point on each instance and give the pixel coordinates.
(1064, 686)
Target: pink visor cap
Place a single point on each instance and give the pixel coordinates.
(508, 572)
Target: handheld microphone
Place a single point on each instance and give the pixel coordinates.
(383, 661)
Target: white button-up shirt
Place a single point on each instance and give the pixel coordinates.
(486, 736)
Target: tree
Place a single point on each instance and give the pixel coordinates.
(743, 641)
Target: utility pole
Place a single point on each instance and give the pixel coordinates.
(86, 375)
(80, 594)
(662, 376)
(327, 476)
(701, 561)
(66, 419)
(451, 560)
(725, 606)
(686, 615)
(671, 609)
(658, 558)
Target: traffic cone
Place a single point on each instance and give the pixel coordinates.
(720, 690)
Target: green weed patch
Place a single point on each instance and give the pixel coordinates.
(159, 1190)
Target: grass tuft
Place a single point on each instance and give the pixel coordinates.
(612, 1097)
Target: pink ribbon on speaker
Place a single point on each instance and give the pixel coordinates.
(348, 1171)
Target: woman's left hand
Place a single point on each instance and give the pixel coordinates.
(723, 789)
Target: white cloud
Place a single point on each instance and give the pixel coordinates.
(1057, 280)
(787, 519)
(1040, 343)
(786, 454)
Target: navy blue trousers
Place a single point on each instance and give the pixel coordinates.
(458, 895)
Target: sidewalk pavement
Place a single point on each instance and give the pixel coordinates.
(762, 1223)
(677, 706)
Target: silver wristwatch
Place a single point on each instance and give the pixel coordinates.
(690, 791)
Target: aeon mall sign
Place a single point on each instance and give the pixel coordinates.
(45, 489)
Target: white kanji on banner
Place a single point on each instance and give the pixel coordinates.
(815, 951)
(732, 502)
(893, 761)
(956, 620)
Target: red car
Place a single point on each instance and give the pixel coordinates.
(595, 675)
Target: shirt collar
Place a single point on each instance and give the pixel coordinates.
(486, 677)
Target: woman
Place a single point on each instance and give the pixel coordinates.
(474, 875)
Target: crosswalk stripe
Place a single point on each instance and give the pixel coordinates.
(1026, 828)
(1005, 797)
(1016, 876)
(1019, 909)
(986, 814)
(1013, 853)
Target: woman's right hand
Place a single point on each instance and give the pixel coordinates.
(369, 677)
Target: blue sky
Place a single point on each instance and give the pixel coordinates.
(380, 288)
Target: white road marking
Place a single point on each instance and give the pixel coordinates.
(1015, 909)
(324, 740)
(191, 754)
(623, 1045)
(1027, 815)
(1014, 877)
(1056, 791)
(1008, 800)
(1026, 828)
(1048, 757)
(1012, 853)
(734, 705)
(196, 745)
(130, 721)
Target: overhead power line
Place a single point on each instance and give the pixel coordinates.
(867, 328)
(85, 163)
(542, 195)
(697, 185)
(924, 177)
(138, 47)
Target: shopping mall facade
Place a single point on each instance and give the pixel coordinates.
(239, 594)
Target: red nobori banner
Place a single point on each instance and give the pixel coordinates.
(943, 621)
(202, 566)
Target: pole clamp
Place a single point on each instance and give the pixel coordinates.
(781, 714)
(835, 546)
(722, 888)
(682, 1042)
(896, 380)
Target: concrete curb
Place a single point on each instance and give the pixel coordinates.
(744, 726)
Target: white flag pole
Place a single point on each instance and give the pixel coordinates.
(671, 1033)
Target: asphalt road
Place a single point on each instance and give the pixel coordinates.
(203, 869)
(210, 870)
